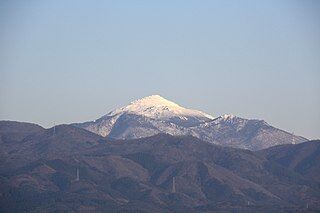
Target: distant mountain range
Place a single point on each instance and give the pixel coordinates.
(156, 156)
(69, 169)
(154, 114)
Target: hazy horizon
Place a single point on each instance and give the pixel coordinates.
(68, 62)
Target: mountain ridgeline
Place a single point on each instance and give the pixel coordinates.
(69, 169)
(156, 156)
(154, 114)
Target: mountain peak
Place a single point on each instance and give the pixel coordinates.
(227, 116)
(159, 108)
(154, 100)
(154, 114)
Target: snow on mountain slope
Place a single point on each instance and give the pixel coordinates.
(230, 130)
(156, 107)
(154, 114)
(161, 114)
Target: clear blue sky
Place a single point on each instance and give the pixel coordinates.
(72, 61)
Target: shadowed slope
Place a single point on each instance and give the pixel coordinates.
(137, 175)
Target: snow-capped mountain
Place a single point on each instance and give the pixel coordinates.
(154, 114)
(230, 130)
(156, 107)
(153, 110)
